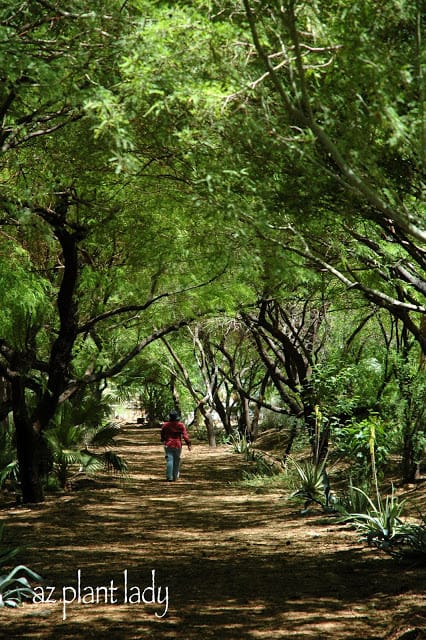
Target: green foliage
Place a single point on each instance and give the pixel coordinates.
(382, 526)
(410, 410)
(183, 161)
(241, 444)
(20, 316)
(353, 442)
(8, 461)
(80, 431)
(74, 450)
(343, 385)
(311, 482)
(9, 472)
(14, 585)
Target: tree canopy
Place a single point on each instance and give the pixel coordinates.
(259, 164)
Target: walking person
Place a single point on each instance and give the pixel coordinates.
(172, 433)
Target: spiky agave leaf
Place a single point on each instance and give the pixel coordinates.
(14, 588)
(382, 520)
(310, 479)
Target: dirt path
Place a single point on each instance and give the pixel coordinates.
(218, 561)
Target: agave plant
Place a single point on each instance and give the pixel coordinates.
(352, 501)
(414, 538)
(312, 483)
(241, 444)
(382, 525)
(14, 585)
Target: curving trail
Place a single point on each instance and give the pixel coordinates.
(199, 559)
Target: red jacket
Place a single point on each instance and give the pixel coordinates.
(172, 434)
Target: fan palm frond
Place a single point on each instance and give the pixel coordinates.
(103, 436)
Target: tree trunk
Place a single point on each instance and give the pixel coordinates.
(223, 414)
(28, 445)
(211, 435)
(244, 422)
(208, 421)
(175, 393)
(409, 467)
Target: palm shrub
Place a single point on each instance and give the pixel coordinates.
(82, 449)
(81, 437)
(14, 585)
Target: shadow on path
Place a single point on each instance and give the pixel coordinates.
(198, 559)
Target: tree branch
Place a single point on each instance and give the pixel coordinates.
(87, 326)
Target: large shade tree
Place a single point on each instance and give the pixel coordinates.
(101, 252)
(331, 164)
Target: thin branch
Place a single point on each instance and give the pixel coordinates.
(141, 307)
(14, 142)
(404, 220)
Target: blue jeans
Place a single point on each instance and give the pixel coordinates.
(173, 462)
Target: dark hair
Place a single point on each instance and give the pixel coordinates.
(174, 415)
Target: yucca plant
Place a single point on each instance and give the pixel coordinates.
(14, 585)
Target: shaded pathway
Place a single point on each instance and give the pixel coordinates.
(236, 565)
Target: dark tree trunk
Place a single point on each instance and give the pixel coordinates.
(175, 393)
(28, 445)
(409, 466)
(245, 426)
(223, 415)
